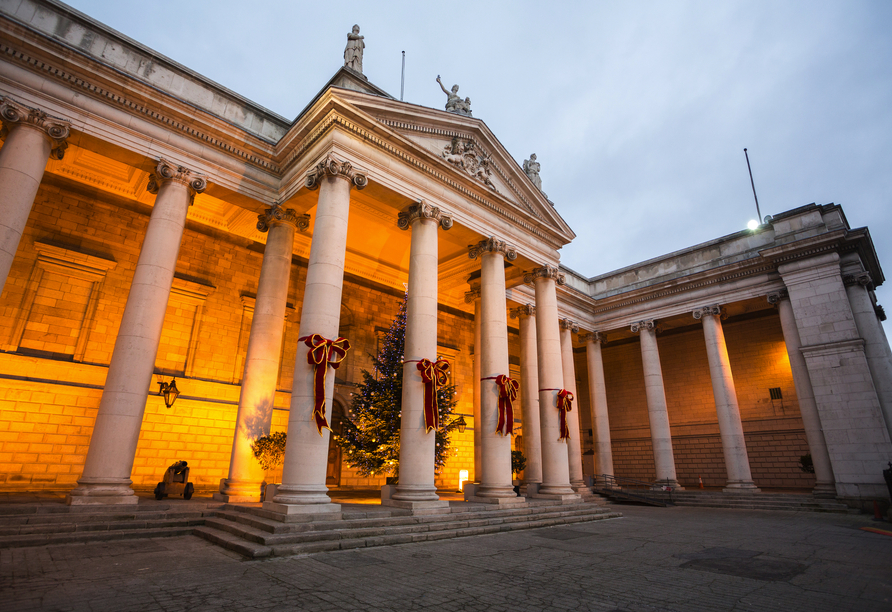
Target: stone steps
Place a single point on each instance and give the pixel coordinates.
(246, 532)
(785, 502)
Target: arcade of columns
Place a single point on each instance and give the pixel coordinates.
(547, 369)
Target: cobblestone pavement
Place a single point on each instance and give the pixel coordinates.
(684, 559)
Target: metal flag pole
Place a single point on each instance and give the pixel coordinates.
(403, 77)
(758, 212)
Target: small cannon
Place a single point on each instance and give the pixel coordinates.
(176, 481)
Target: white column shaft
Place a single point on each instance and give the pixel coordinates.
(555, 463)
(737, 462)
(417, 446)
(496, 478)
(600, 421)
(258, 392)
(478, 423)
(574, 444)
(113, 444)
(306, 454)
(22, 162)
(657, 412)
(529, 398)
(808, 408)
(875, 347)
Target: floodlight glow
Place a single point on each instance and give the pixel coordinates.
(753, 224)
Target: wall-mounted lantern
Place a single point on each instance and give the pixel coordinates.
(459, 423)
(169, 391)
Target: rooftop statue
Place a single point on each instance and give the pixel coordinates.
(454, 104)
(531, 168)
(353, 52)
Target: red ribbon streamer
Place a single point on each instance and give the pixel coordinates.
(564, 405)
(323, 353)
(508, 388)
(434, 374)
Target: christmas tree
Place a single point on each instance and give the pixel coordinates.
(371, 434)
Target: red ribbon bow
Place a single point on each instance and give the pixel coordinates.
(564, 405)
(323, 353)
(434, 374)
(507, 394)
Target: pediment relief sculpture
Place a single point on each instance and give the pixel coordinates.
(464, 154)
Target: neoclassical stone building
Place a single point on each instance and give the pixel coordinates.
(155, 225)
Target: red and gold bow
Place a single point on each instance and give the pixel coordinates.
(434, 374)
(564, 405)
(507, 394)
(323, 353)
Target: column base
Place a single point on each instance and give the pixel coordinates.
(303, 509)
(238, 491)
(555, 489)
(824, 490)
(300, 495)
(741, 487)
(668, 483)
(504, 502)
(415, 493)
(490, 491)
(566, 498)
(439, 506)
(102, 491)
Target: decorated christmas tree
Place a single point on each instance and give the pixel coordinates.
(371, 434)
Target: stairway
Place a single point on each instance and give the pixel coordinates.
(254, 532)
(789, 502)
(42, 524)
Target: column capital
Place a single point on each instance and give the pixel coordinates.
(333, 167)
(423, 210)
(472, 295)
(56, 129)
(166, 172)
(861, 278)
(546, 271)
(649, 325)
(527, 310)
(277, 214)
(776, 297)
(709, 311)
(595, 337)
(568, 325)
(492, 245)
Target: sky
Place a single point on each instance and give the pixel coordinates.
(638, 111)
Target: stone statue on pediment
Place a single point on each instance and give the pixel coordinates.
(531, 168)
(454, 104)
(353, 52)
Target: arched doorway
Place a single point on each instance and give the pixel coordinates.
(333, 471)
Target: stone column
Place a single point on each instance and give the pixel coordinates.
(33, 137)
(495, 482)
(555, 457)
(875, 344)
(106, 475)
(529, 393)
(598, 394)
(303, 487)
(657, 412)
(474, 296)
(574, 444)
(416, 486)
(851, 416)
(258, 392)
(737, 463)
(811, 421)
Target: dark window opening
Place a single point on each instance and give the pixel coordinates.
(776, 393)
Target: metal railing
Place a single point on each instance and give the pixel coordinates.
(629, 489)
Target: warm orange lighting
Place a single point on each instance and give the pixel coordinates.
(462, 477)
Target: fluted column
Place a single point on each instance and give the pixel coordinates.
(574, 444)
(529, 393)
(303, 487)
(825, 485)
(33, 138)
(106, 475)
(875, 344)
(555, 457)
(474, 296)
(598, 394)
(258, 392)
(657, 412)
(495, 481)
(418, 445)
(737, 464)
